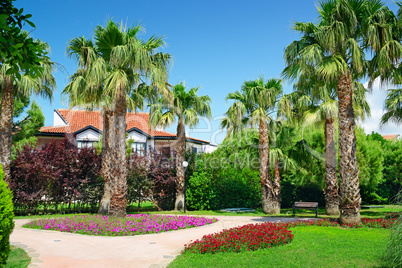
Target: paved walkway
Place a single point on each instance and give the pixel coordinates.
(55, 249)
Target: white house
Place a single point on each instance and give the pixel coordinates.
(85, 128)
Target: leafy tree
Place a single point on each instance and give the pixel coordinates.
(370, 158)
(335, 46)
(27, 127)
(255, 105)
(12, 87)
(17, 49)
(392, 172)
(112, 70)
(187, 107)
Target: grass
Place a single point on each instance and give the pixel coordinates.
(312, 246)
(18, 258)
(287, 212)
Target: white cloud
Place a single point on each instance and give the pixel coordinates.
(376, 100)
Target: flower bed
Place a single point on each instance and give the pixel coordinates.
(131, 225)
(244, 238)
(266, 235)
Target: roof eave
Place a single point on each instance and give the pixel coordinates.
(44, 134)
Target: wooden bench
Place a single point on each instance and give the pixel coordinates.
(305, 205)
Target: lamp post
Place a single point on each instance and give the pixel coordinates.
(185, 165)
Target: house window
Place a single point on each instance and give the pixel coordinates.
(194, 150)
(139, 148)
(85, 144)
(165, 151)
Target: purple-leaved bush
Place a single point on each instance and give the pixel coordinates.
(57, 175)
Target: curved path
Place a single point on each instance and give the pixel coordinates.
(56, 249)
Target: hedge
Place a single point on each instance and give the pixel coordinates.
(6, 219)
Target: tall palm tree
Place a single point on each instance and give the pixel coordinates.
(11, 87)
(255, 105)
(281, 144)
(187, 107)
(386, 66)
(346, 28)
(112, 69)
(393, 105)
(322, 109)
(85, 89)
(316, 100)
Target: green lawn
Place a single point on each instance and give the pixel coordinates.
(311, 247)
(18, 258)
(287, 212)
(147, 207)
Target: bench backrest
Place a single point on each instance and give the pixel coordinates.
(306, 204)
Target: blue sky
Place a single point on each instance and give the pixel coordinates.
(215, 44)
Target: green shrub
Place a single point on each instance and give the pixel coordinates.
(6, 219)
(200, 191)
(214, 186)
(238, 188)
(392, 171)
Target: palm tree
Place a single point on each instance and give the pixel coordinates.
(281, 144)
(112, 69)
(393, 105)
(386, 66)
(335, 48)
(187, 107)
(323, 109)
(86, 90)
(12, 87)
(255, 105)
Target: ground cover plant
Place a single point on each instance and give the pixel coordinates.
(267, 235)
(132, 224)
(312, 246)
(244, 238)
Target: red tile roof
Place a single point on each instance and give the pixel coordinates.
(390, 137)
(79, 119)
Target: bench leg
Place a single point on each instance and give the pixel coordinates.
(316, 212)
(294, 214)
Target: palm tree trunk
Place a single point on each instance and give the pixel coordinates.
(277, 185)
(268, 204)
(106, 161)
(6, 122)
(181, 151)
(349, 173)
(118, 179)
(331, 181)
